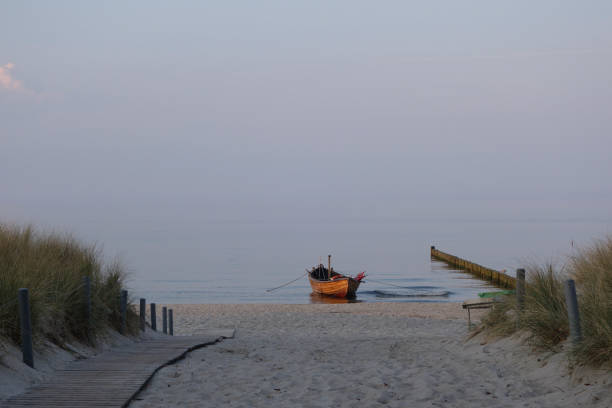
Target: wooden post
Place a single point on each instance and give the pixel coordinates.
(123, 310)
(26, 327)
(87, 304)
(153, 317)
(170, 322)
(143, 312)
(165, 320)
(572, 311)
(520, 288)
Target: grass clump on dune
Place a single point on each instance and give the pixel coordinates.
(544, 315)
(592, 270)
(52, 267)
(545, 312)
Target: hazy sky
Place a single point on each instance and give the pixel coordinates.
(168, 112)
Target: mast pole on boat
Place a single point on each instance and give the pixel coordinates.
(329, 266)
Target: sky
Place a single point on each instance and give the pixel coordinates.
(149, 113)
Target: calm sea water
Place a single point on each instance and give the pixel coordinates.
(237, 262)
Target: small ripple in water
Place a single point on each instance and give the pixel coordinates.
(408, 293)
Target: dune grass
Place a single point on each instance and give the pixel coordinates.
(592, 271)
(544, 315)
(545, 312)
(52, 267)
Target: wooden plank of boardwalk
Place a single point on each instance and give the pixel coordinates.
(113, 378)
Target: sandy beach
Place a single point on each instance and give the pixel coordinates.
(363, 355)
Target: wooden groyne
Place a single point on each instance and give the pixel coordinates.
(497, 278)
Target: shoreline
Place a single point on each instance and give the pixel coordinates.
(186, 316)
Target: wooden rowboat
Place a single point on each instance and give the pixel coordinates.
(343, 287)
(325, 281)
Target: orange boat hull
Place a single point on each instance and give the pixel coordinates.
(341, 287)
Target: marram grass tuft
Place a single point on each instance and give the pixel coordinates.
(52, 267)
(592, 271)
(544, 315)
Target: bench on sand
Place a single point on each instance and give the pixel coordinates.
(485, 303)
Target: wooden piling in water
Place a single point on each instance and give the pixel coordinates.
(495, 277)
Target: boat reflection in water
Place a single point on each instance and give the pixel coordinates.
(317, 298)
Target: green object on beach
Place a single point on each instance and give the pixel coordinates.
(494, 294)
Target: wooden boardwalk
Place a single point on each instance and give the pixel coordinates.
(113, 378)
